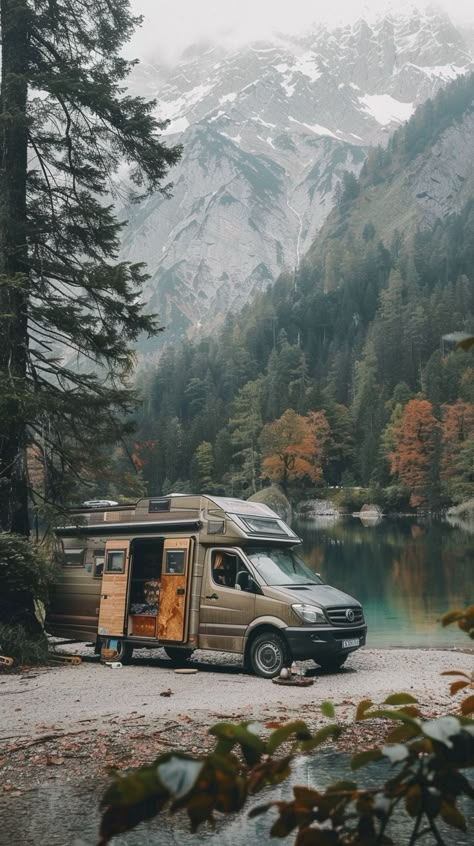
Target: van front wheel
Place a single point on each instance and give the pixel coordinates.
(268, 655)
(332, 665)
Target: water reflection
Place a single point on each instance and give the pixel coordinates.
(405, 572)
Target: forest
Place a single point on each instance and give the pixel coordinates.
(339, 375)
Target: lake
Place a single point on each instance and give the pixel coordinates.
(405, 572)
(58, 813)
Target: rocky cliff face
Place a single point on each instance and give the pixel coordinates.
(267, 132)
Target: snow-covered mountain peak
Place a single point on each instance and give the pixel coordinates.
(267, 131)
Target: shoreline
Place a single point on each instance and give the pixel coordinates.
(126, 717)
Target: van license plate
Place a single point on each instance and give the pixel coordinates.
(346, 644)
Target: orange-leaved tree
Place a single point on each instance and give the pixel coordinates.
(414, 443)
(293, 447)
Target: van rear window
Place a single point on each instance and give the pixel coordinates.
(175, 562)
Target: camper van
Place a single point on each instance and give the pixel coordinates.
(198, 572)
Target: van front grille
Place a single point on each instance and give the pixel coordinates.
(346, 616)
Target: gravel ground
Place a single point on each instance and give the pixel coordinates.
(68, 694)
(89, 717)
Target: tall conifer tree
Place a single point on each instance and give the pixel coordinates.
(67, 124)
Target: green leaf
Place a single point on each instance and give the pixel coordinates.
(364, 758)
(323, 734)
(396, 752)
(179, 775)
(362, 708)
(133, 788)
(251, 744)
(282, 734)
(395, 715)
(328, 710)
(400, 699)
(403, 733)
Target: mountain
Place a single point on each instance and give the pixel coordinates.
(358, 338)
(425, 176)
(268, 131)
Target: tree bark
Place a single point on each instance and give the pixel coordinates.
(14, 16)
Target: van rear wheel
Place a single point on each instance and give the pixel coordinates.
(268, 655)
(178, 656)
(124, 650)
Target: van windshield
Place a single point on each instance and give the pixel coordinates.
(279, 566)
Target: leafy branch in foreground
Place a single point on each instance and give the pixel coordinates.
(428, 760)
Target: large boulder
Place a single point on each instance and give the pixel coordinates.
(276, 500)
(312, 508)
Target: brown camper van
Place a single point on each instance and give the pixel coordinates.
(198, 572)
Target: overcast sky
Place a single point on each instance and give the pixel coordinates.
(171, 25)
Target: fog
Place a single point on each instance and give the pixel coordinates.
(169, 28)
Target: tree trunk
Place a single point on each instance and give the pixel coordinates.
(13, 265)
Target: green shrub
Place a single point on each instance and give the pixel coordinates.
(25, 649)
(24, 567)
(26, 571)
(351, 499)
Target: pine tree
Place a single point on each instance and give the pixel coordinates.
(202, 469)
(245, 425)
(68, 308)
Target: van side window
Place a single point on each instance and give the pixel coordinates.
(73, 558)
(225, 567)
(115, 561)
(99, 561)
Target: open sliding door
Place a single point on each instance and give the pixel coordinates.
(113, 598)
(174, 588)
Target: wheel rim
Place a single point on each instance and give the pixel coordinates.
(268, 657)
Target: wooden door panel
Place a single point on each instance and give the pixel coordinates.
(113, 597)
(173, 594)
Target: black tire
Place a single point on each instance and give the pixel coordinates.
(178, 656)
(268, 655)
(332, 665)
(124, 652)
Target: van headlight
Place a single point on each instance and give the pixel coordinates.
(310, 614)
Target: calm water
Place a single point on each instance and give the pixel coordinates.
(406, 574)
(58, 813)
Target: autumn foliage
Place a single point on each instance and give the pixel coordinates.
(414, 442)
(293, 447)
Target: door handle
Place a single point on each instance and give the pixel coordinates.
(180, 591)
(104, 596)
(212, 596)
